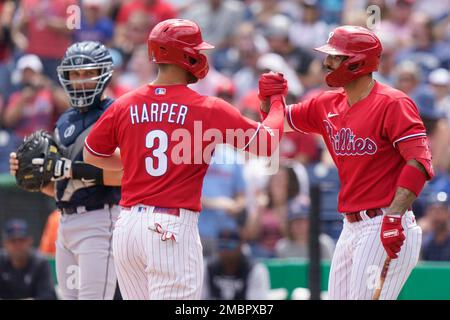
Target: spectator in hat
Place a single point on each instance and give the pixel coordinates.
(24, 274)
(232, 274)
(385, 72)
(310, 32)
(297, 57)
(36, 102)
(296, 243)
(217, 19)
(436, 244)
(408, 78)
(439, 80)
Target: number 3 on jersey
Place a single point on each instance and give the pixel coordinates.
(156, 165)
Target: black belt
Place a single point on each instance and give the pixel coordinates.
(84, 209)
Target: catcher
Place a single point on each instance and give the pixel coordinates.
(87, 196)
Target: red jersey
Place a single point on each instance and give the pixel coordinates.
(157, 12)
(166, 135)
(362, 140)
(42, 40)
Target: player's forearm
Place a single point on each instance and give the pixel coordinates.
(404, 198)
(265, 107)
(402, 201)
(112, 178)
(111, 163)
(270, 131)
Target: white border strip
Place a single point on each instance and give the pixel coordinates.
(290, 122)
(253, 137)
(95, 152)
(410, 136)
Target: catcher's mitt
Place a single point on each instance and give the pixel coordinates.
(37, 157)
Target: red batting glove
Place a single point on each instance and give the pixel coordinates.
(272, 84)
(392, 236)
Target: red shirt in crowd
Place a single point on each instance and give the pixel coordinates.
(158, 11)
(42, 40)
(37, 114)
(362, 140)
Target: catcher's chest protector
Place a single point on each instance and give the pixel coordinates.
(71, 130)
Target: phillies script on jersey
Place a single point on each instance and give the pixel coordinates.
(362, 140)
(167, 136)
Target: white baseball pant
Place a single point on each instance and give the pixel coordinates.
(150, 266)
(359, 258)
(84, 259)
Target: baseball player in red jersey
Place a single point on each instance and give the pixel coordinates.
(156, 242)
(379, 145)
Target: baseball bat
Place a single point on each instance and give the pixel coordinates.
(384, 271)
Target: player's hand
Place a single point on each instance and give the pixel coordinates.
(62, 169)
(272, 84)
(13, 164)
(392, 236)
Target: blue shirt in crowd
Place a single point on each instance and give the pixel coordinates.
(224, 179)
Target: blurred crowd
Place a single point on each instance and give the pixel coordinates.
(269, 212)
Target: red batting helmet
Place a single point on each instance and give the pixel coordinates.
(178, 41)
(361, 46)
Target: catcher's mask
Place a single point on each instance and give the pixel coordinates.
(87, 55)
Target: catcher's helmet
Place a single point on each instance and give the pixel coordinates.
(178, 41)
(361, 46)
(85, 55)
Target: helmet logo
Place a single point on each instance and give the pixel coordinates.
(78, 61)
(329, 36)
(69, 131)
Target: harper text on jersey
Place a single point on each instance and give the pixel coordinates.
(158, 112)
